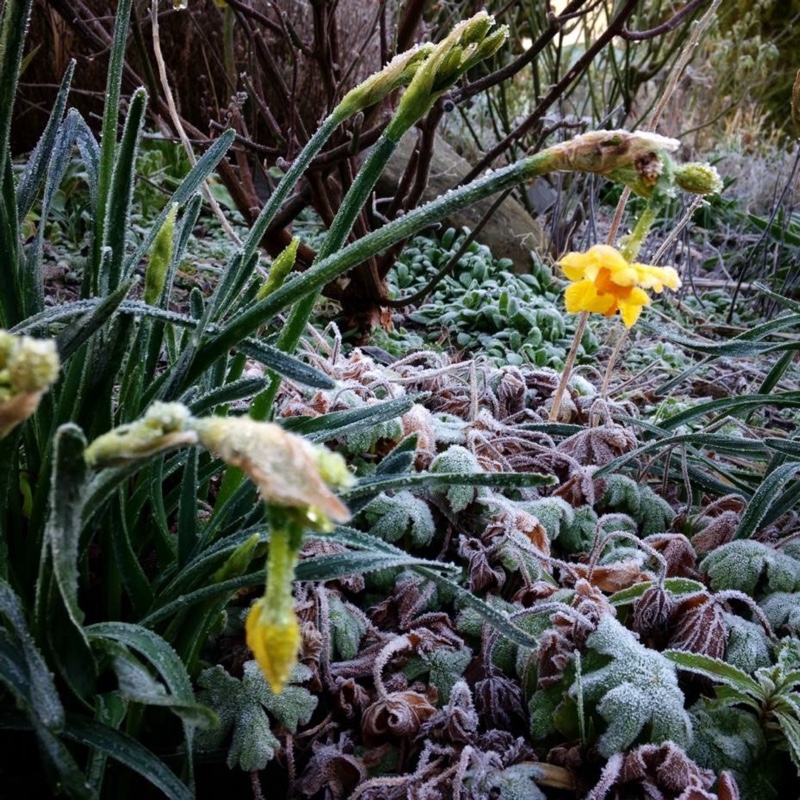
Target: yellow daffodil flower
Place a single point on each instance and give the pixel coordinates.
(604, 282)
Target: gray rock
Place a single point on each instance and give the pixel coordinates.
(510, 233)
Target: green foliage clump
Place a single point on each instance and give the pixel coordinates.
(484, 306)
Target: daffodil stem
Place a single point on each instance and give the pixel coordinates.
(284, 545)
(632, 244)
(568, 365)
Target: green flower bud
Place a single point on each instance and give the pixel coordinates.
(398, 72)
(163, 427)
(33, 365)
(239, 560)
(699, 179)
(285, 467)
(280, 268)
(28, 367)
(160, 257)
(474, 30)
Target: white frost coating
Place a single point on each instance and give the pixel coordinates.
(638, 687)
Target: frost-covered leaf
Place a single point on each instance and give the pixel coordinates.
(655, 513)
(241, 707)
(748, 646)
(742, 564)
(457, 459)
(445, 668)
(391, 517)
(791, 730)
(512, 783)
(639, 686)
(578, 534)
(347, 628)
(448, 428)
(542, 711)
(253, 744)
(783, 610)
(731, 739)
(553, 513)
(293, 706)
(621, 494)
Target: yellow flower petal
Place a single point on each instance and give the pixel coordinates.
(574, 265)
(583, 296)
(656, 278)
(631, 307)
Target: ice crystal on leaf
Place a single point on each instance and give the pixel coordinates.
(242, 707)
(638, 687)
(742, 564)
(391, 517)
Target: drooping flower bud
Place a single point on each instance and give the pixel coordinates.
(163, 427)
(286, 468)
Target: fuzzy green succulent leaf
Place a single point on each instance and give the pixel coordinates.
(391, 517)
(783, 609)
(638, 686)
(743, 564)
(748, 646)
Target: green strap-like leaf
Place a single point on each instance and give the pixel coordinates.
(38, 161)
(121, 195)
(715, 669)
(126, 750)
(764, 498)
(165, 661)
(496, 480)
(338, 565)
(41, 691)
(341, 423)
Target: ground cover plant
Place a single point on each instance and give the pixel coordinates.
(493, 569)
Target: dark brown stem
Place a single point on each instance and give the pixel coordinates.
(613, 29)
(666, 27)
(519, 63)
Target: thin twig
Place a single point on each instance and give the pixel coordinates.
(177, 123)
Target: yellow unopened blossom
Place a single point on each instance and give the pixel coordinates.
(604, 282)
(274, 637)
